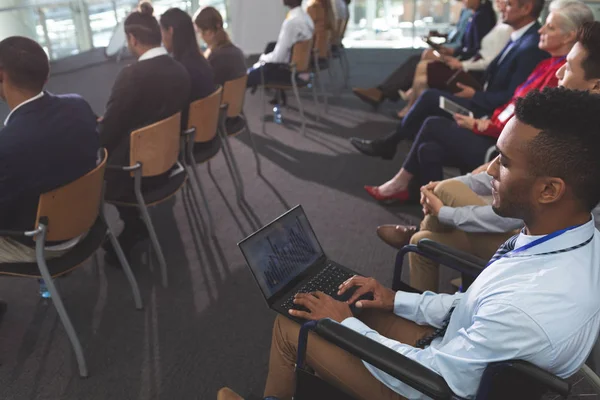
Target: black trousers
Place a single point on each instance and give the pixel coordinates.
(427, 105)
(400, 79)
(274, 73)
(441, 142)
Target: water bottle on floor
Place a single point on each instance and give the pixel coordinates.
(44, 293)
(277, 114)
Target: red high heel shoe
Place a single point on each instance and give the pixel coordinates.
(401, 196)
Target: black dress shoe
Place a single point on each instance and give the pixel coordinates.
(374, 148)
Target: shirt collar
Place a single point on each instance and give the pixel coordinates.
(518, 34)
(34, 98)
(568, 239)
(295, 12)
(153, 53)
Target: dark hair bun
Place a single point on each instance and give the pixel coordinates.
(145, 7)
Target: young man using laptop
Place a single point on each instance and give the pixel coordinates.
(520, 307)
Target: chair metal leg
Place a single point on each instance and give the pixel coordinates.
(226, 149)
(263, 100)
(313, 85)
(346, 68)
(300, 107)
(319, 79)
(251, 136)
(234, 166)
(211, 223)
(148, 221)
(135, 290)
(58, 304)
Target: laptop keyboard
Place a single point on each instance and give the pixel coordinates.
(328, 280)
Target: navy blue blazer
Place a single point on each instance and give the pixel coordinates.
(504, 77)
(46, 144)
(481, 23)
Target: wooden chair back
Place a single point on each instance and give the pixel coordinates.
(301, 55)
(204, 116)
(72, 209)
(156, 146)
(234, 93)
(323, 43)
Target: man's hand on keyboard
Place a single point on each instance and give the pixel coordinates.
(320, 306)
(383, 298)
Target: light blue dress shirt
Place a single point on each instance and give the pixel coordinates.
(537, 307)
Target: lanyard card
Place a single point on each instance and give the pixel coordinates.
(507, 113)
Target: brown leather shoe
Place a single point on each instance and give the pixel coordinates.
(228, 394)
(396, 236)
(372, 96)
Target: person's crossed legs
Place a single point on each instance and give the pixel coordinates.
(424, 273)
(331, 363)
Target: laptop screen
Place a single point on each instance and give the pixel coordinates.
(281, 251)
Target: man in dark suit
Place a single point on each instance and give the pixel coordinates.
(506, 72)
(154, 88)
(48, 141)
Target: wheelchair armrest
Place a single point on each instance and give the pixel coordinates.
(453, 258)
(395, 364)
(538, 375)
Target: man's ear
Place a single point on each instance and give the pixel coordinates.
(596, 87)
(553, 189)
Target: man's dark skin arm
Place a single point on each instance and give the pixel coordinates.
(322, 306)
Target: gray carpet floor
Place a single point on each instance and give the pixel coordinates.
(211, 327)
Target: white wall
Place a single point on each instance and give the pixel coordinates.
(16, 22)
(254, 23)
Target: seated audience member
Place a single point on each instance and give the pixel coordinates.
(463, 143)
(437, 74)
(508, 71)
(227, 60)
(546, 175)
(47, 142)
(274, 62)
(179, 38)
(401, 79)
(456, 210)
(154, 88)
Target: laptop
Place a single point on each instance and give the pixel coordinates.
(285, 257)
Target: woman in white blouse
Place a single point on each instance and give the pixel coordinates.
(491, 45)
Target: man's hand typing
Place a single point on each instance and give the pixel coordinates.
(320, 306)
(383, 298)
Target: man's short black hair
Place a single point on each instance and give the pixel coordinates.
(25, 62)
(293, 3)
(568, 146)
(589, 38)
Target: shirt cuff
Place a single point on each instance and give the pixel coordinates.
(405, 304)
(446, 215)
(356, 325)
